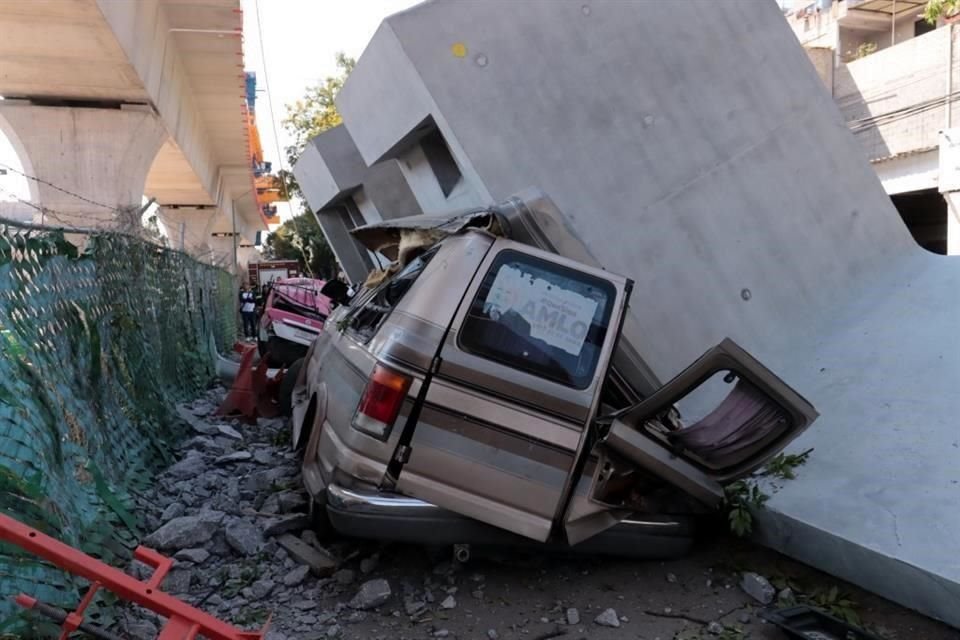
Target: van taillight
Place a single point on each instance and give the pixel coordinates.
(381, 402)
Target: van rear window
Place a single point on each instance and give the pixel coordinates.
(540, 317)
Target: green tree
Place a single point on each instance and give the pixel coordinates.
(301, 238)
(937, 9)
(316, 111)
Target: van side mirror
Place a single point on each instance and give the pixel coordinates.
(336, 291)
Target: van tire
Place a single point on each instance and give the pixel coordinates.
(285, 399)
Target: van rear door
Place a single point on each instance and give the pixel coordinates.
(503, 426)
(721, 419)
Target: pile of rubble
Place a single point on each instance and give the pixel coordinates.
(232, 513)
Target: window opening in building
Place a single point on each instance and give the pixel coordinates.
(925, 214)
(441, 162)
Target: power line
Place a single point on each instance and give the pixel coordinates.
(266, 84)
(58, 188)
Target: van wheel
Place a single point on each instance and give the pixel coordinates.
(285, 399)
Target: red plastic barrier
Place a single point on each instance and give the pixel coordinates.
(184, 621)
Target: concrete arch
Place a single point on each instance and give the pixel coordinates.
(26, 165)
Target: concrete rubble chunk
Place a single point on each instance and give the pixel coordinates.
(228, 431)
(182, 533)
(715, 628)
(292, 501)
(263, 456)
(188, 467)
(140, 630)
(195, 423)
(286, 524)
(262, 588)
(492, 634)
(175, 510)
(345, 576)
(236, 456)
(371, 595)
(320, 562)
(196, 556)
(368, 565)
(449, 603)
(244, 537)
(758, 587)
(608, 618)
(573, 616)
(177, 581)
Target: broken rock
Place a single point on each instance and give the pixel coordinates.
(758, 588)
(449, 603)
(236, 456)
(573, 616)
(190, 466)
(181, 533)
(244, 538)
(286, 524)
(175, 510)
(196, 556)
(715, 628)
(344, 576)
(320, 562)
(228, 431)
(371, 595)
(608, 618)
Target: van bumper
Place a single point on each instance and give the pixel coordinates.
(379, 515)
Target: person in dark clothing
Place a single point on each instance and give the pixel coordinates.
(248, 312)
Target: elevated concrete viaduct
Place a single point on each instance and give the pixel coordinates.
(110, 100)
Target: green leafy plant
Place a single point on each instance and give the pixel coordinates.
(834, 602)
(865, 49)
(742, 497)
(937, 9)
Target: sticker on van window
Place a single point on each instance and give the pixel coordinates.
(559, 317)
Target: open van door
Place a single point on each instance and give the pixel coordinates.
(722, 418)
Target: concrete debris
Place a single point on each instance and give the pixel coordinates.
(296, 576)
(244, 537)
(196, 556)
(177, 581)
(344, 576)
(292, 501)
(449, 603)
(320, 562)
(200, 426)
(715, 628)
(608, 618)
(492, 634)
(175, 510)
(573, 616)
(371, 595)
(368, 565)
(229, 432)
(286, 524)
(181, 533)
(189, 467)
(236, 456)
(758, 588)
(262, 588)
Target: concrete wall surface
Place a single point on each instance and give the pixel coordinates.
(710, 173)
(693, 148)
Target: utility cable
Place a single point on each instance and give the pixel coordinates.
(58, 188)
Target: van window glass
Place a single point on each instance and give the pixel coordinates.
(374, 308)
(539, 317)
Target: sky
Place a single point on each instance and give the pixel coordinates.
(300, 42)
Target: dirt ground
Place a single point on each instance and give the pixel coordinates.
(215, 508)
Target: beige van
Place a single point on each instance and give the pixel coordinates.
(485, 389)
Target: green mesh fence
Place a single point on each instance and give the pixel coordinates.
(97, 348)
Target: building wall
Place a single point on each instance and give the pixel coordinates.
(896, 78)
(425, 186)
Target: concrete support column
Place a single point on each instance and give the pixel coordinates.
(188, 228)
(91, 163)
(953, 222)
